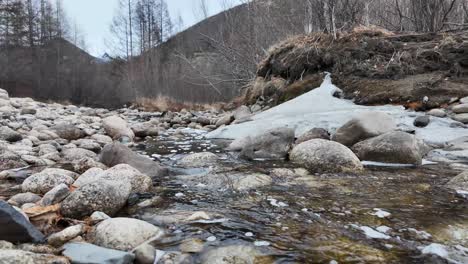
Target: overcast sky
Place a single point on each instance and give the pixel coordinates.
(94, 22)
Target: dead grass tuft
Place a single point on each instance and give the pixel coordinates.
(165, 103)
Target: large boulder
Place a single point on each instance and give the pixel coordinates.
(47, 179)
(124, 233)
(147, 129)
(85, 253)
(393, 147)
(16, 228)
(9, 134)
(364, 126)
(102, 195)
(314, 133)
(273, 144)
(319, 155)
(117, 153)
(117, 128)
(88, 177)
(68, 131)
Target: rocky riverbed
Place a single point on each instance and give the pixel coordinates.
(85, 185)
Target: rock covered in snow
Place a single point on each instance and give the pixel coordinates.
(393, 147)
(318, 155)
(124, 233)
(364, 126)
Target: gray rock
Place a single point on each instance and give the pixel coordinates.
(76, 154)
(62, 237)
(88, 144)
(116, 153)
(314, 133)
(437, 113)
(10, 160)
(85, 164)
(16, 228)
(47, 179)
(117, 128)
(23, 198)
(102, 139)
(319, 155)
(242, 112)
(68, 131)
(464, 100)
(12, 256)
(422, 121)
(139, 182)
(392, 147)
(204, 121)
(460, 109)
(124, 233)
(202, 159)
(88, 177)
(145, 254)
(4, 95)
(459, 183)
(99, 216)
(9, 134)
(28, 111)
(56, 195)
(102, 195)
(273, 144)
(146, 129)
(225, 120)
(227, 181)
(463, 118)
(85, 253)
(231, 254)
(364, 126)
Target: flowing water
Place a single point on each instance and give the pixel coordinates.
(382, 215)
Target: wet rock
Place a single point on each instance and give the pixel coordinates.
(85, 253)
(124, 233)
(314, 133)
(227, 181)
(56, 195)
(318, 155)
(88, 177)
(117, 128)
(393, 147)
(231, 254)
(62, 237)
(47, 179)
(117, 153)
(192, 246)
(459, 183)
(364, 126)
(463, 118)
(16, 228)
(225, 120)
(9, 134)
(460, 109)
(145, 254)
(102, 195)
(422, 121)
(76, 154)
(437, 113)
(23, 198)
(202, 159)
(273, 144)
(139, 182)
(68, 131)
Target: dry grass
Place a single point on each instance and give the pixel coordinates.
(164, 103)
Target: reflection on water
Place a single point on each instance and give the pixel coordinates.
(302, 218)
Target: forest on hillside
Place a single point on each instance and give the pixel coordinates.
(40, 53)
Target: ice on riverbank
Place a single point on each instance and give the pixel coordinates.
(318, 108)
